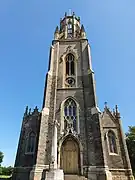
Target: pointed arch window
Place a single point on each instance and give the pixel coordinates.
(70, 66)
(31, 143)
(70, 114)
(112, 142)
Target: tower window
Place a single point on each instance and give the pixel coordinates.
(70, 30)
(31, 142)
(70, 113)
(112, 142)
(70, 68)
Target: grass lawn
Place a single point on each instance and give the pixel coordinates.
(4, 176)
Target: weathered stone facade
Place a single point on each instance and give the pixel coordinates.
(95, 161)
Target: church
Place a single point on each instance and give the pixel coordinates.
(70, 138)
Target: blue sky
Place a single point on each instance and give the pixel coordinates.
(26, 32)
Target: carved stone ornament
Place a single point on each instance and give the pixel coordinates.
(26, 125)
(69, 49)
(70, 81)
(25, 121)
(69, 130)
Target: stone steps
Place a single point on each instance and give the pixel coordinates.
(74, 177)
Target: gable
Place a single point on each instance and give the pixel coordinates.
(108, 120)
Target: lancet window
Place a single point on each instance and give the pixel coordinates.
(70, 66)
(31, 142)
(70, 31)
(112, 142)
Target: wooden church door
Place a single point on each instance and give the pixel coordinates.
(70, 157)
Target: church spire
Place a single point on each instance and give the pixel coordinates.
(83, 33)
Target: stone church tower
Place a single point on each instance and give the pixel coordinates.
(71, 138)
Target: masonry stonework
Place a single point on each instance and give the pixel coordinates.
(85, 150)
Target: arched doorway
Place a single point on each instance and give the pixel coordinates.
(69, 156)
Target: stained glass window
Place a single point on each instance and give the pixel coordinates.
(70, 112)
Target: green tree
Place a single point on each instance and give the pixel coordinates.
(131, 145)
(0, 170)
(7, 171)
(1, 157)
(1, 160)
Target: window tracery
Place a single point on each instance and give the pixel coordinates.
(70, 114)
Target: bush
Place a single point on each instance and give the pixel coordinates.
(0, 170)
(1, 157)
(7, 171)
(130, 140)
